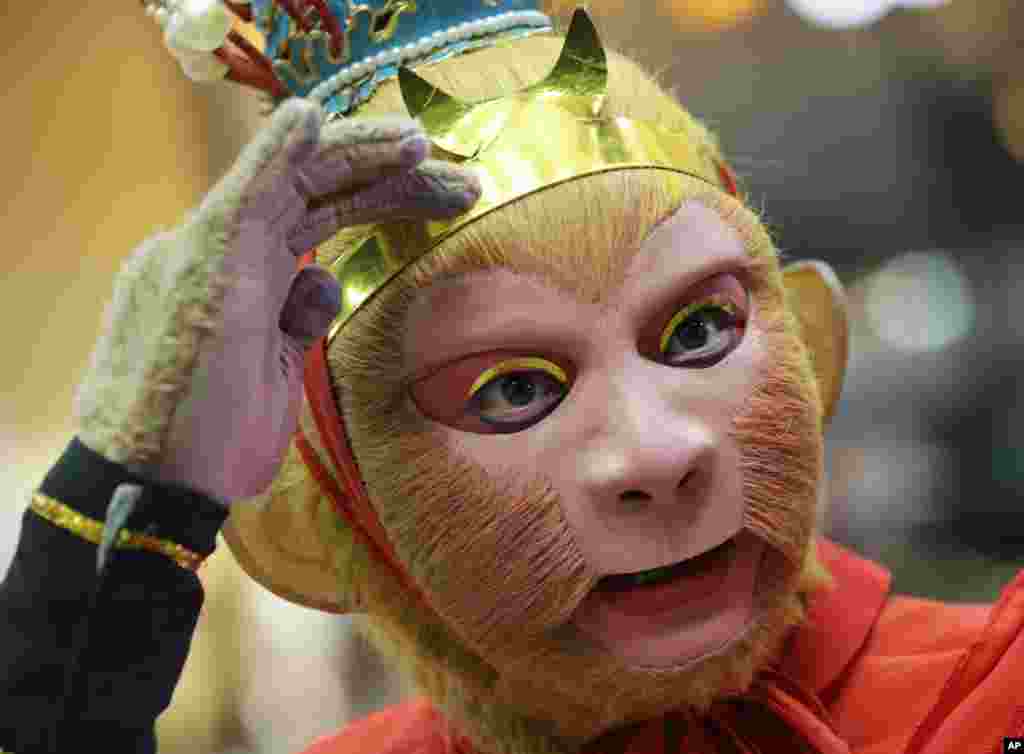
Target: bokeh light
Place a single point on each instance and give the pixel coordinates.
(889, 484)
(920, 302)
(842, 14)
(711, 15)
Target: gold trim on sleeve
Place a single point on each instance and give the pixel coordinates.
(59, 514)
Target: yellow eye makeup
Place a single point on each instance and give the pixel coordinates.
(517, 365)
(716, 301)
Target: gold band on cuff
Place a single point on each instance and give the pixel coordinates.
(68, 518)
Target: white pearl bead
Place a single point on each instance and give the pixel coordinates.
(408, 51)
(161, 16)
(358, 69)
(200, 26)
(201, 67)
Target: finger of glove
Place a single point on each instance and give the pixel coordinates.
(313, 302)
(434, 190)
(364, 154)
(288, 141)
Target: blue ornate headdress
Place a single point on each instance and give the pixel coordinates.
(336, 52)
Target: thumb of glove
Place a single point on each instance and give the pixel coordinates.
(313, 302)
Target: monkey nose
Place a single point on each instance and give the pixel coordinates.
(641, 497)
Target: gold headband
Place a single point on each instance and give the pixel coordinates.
(541, 136)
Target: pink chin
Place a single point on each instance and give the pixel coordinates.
(682, 621)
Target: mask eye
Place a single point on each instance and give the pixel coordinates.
(703, 333)
(517, 394)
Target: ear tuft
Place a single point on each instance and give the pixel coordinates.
(817, 300)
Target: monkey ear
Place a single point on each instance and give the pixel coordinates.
(817, 300)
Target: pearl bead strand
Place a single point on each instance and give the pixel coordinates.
(426, 45)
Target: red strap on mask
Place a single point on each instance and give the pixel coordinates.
(349, 499)
(728, 179)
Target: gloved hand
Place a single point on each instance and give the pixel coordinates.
(197, 376)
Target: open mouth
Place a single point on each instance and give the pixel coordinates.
(706, 561)
(677, 613)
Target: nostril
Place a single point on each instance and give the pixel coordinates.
(687, 478)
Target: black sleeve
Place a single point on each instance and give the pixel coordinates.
(137, 634)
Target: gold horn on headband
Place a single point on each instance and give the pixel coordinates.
(544, 135)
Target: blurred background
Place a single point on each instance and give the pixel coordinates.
(886, 138)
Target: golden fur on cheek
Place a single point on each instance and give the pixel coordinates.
(780, 434)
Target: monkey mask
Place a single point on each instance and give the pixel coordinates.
(564, 452)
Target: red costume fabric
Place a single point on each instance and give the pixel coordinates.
(867, 673)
